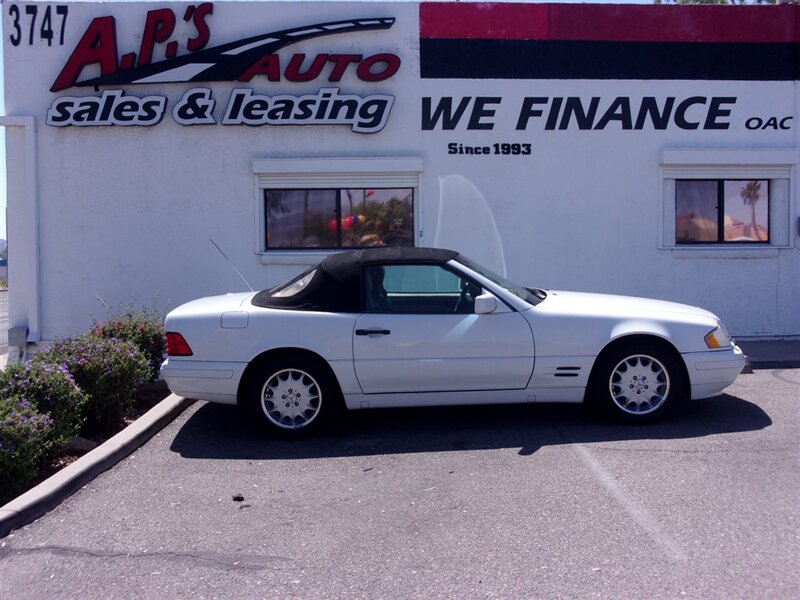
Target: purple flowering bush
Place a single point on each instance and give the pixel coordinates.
(142, 327)
(51, 391)
(24, 435)
(109, 371)
(83, 385)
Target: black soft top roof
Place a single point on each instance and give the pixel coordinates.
(336, 286)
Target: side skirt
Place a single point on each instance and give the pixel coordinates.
(360, 401)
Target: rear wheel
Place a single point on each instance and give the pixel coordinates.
(292, 397)
(639, 382)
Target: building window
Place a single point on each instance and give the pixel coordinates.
(338, 218)
(709, 211)
(309, 207)
(723, 203)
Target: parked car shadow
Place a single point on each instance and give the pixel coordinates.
(221, 432)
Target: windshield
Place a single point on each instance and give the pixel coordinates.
(529, 295)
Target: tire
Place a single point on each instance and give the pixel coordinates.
(292, 397)
(639, 382)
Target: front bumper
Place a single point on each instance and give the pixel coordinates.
(712, 371)
(212, 381)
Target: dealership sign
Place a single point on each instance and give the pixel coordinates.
(240, 61)
(510, 42)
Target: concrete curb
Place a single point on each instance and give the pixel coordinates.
(781, 353)
(753, 363)
(775, 364)
(51, 492)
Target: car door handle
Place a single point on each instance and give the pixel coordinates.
(372, 332)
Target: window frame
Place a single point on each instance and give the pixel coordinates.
(330, 173)
(775, 165)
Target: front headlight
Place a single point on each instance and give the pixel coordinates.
(718, 338)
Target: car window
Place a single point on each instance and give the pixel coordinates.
(295, 286)
(426, 289)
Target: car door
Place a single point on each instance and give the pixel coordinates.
(420, 333)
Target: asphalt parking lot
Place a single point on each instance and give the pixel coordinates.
(486, 502)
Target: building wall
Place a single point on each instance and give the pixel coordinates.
(124, 214)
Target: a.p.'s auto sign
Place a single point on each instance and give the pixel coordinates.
(536, 45)
(239, 61)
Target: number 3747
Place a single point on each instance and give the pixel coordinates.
(45, 25)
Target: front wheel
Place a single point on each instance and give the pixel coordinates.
(639, 383)
(292, 398)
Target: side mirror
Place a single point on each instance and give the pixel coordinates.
(485, 304)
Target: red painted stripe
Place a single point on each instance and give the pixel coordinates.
(610, 22)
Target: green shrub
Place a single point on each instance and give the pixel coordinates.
(24, 444)
(144, 328)
(52, 391)
(109, 371)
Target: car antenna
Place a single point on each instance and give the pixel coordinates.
(230, 262)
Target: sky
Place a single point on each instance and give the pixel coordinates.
(2, 109)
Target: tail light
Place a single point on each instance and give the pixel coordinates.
(176, 345)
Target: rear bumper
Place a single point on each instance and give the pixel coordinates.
(711, 372)
(212, 381)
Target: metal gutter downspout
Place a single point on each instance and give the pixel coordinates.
(24, 226)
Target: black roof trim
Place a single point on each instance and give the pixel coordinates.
(344, 261)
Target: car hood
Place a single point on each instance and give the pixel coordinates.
(213, 304)
(609, 305)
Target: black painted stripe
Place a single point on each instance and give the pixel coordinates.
(548, 59)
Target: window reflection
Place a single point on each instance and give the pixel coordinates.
(377, 217)
(713, 211)
(746, 211)
(696, 208)
(338, 218)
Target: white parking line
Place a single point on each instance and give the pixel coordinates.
(637, 512)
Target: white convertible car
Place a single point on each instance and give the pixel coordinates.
(420, 327)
